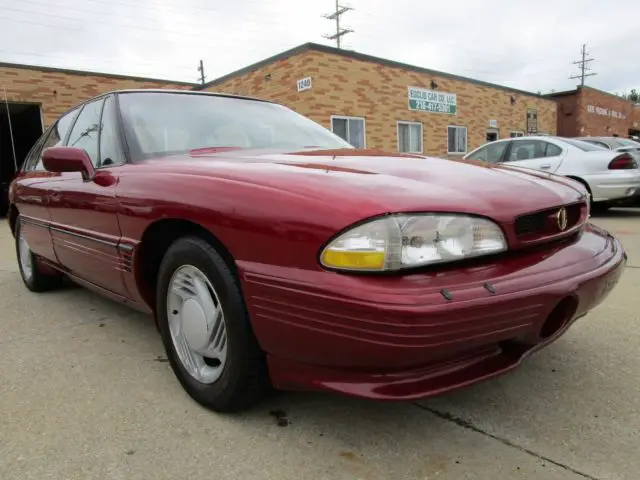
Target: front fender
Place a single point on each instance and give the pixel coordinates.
(255, 223)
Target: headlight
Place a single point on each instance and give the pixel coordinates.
(405, 241)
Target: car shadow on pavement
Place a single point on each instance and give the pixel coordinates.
(618, 213)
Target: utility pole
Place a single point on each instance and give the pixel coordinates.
(584, 66)
(201, 70)
(340, 32)
(13, 146)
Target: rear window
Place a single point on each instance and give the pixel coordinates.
(584, 146)
(596, 142)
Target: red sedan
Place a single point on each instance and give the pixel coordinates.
(271, 253)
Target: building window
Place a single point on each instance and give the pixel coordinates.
(410, 137)
(351, 129)
(457, 139)
(516, 134)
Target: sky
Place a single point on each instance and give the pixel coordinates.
(516, 43)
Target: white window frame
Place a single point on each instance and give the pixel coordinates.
(345, 117)
(402, 122)
(466, 138)
(520, 133)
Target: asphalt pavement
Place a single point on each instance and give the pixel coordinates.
(86, 392)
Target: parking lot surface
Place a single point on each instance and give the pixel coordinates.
(85, 392)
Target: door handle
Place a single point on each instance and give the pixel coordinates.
(545, 167)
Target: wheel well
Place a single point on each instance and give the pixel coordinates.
(13, 218)
(583, 182)
(156, 240)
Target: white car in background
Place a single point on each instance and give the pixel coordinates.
(609, 176)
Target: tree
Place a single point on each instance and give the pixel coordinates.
(634, 96)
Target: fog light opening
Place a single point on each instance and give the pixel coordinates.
(558, 318)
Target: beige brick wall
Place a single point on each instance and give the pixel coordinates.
(58, 91)
(354, 87)
(281, 86)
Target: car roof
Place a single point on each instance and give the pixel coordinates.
(162, 90)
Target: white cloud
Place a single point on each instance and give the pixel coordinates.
(527, 45)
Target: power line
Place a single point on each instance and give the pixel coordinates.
(340, 32)
(584, 66)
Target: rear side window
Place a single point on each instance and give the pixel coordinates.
(553, 150)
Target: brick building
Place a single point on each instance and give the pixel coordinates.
(36, 96)
(55, 90)
(587, 111)
(367, 100)
(382, 104)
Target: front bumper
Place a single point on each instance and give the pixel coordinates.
(400, 338)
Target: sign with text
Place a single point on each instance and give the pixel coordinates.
(304, 84)
(532, 121)
(605, 112)
(431, 101)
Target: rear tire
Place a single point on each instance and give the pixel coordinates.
(30, 270)
(600, 207)
(242, 379)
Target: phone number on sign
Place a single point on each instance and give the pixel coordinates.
(432, 107)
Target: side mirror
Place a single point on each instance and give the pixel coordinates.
(68, 159)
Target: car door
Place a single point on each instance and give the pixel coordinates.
(535, 153)
(85, 228)
(32, 188)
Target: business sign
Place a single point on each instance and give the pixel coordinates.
(605, 112)
(304, 84)
(532, 121)
(431, 101)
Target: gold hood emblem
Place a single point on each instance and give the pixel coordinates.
(561, 219)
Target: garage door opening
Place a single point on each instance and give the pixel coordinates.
(21, 122)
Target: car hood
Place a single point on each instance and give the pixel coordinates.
(377, 182)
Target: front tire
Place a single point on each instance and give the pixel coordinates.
(206, 330)
(32, 276)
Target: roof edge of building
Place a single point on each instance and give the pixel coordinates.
(605, 93)
(254, 66)
(311, 46)
(87, 73)
(562, 94)
(580, 87)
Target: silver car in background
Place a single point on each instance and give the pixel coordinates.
(609, 176)
(619, 145)
(616, 144)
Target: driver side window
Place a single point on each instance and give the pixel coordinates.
(110, 151)
(86, 129)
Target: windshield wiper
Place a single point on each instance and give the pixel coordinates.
(214, 149)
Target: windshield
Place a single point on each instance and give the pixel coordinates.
(158, 124)
(623, 142)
